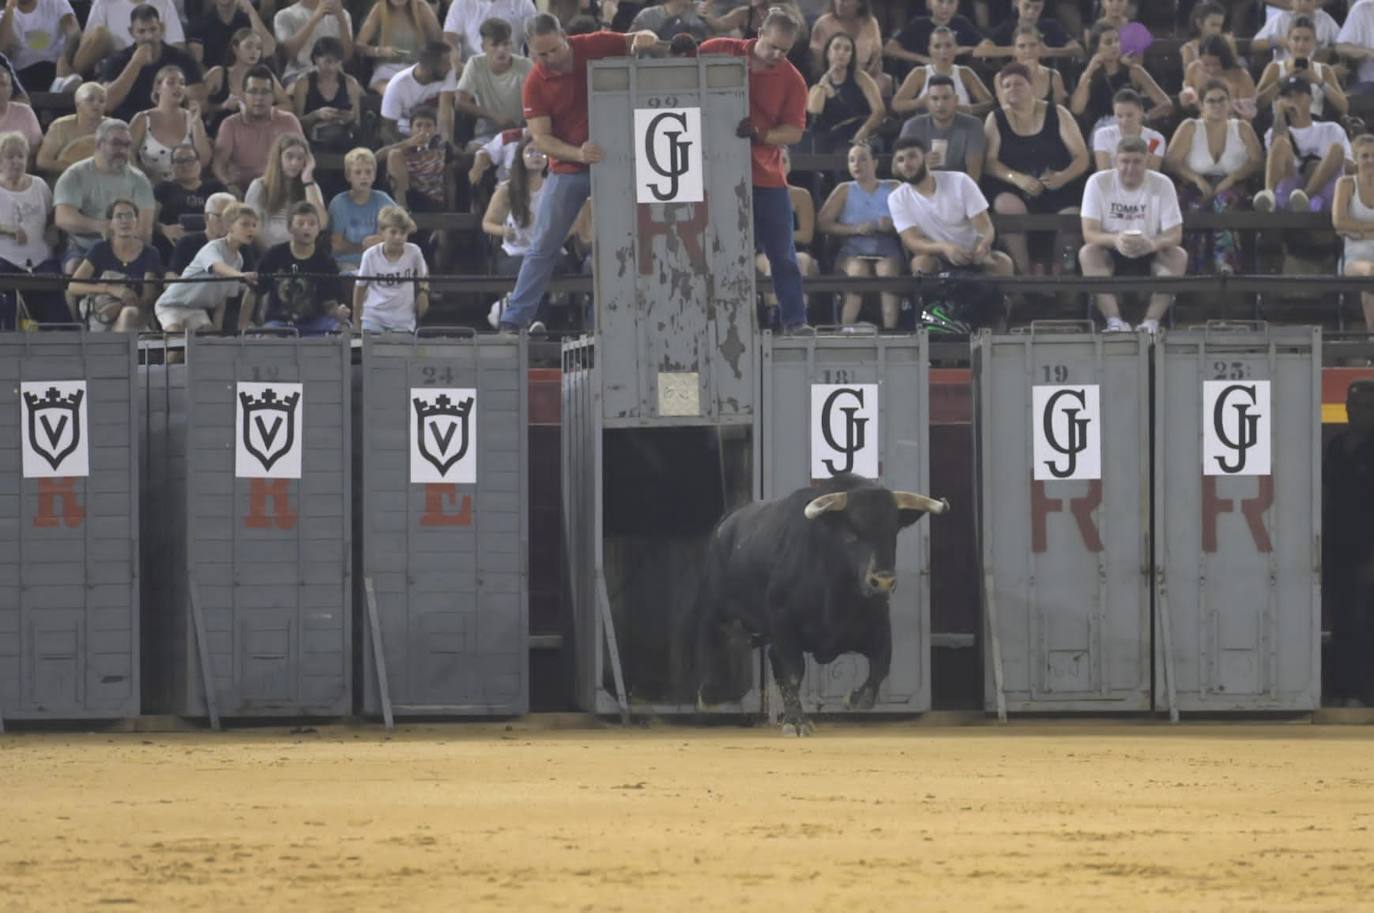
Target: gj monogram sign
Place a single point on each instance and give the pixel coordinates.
(53, 429)
(1066, 432)
(1235, 428)
(443, 434)
(668, 155)
(268, 439)
(844, 430)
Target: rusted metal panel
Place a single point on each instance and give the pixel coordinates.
(1066, 596)
(1238, 559)
(674, 281)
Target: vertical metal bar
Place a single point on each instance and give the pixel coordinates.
(298, 640)
(1035, 640)
(378, 653)
(1315, 500)
(346, 446)
(1097, 625)
(234, 640)
(24, 671)
(1160, 538)
(203, 652)
(135, 531)
(523, 392)
(1206, 631)
(1270, 630)
(990, 621)
(409, 365)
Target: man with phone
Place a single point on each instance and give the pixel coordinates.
(1305, 156)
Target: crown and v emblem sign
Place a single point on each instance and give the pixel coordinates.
(60, 419)
(268, 415)
(440, 453)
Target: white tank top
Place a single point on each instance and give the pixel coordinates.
(1232, 154)
(1358, 210)
(155, 158)
(1318, 83)
(524, 234)
(960, 90)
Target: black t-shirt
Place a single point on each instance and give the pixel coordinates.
(140, 97)
(292, 295)
(1051, 33)
(190, 245)
(212, 34)
(176, 201)
(915, 35)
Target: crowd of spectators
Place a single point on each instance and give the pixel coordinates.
(194, 150)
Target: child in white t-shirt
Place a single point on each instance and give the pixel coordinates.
(389, 295)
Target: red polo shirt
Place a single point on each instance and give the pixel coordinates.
(777, 98)
(562, 97)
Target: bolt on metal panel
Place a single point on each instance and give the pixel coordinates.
(1238, 509)
(674, 280)
(446, 560)
(1062, 431)
(69, 535)
(890, 376)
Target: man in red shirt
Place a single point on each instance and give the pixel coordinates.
(555, 101)
(777, 118)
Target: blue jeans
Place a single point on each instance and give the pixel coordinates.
(559, 203)
(773, 236)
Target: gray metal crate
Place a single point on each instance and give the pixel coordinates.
(674, 281)
(1238, 554)
(445, 563)
(69, 546)
(1065, 561)
(892, 374)
(264, 624)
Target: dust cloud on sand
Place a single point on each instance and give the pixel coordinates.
(1034, 817)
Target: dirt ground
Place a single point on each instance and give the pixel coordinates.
(1031, 817)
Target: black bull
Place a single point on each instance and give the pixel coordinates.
(807, 573)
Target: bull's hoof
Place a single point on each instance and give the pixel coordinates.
(798, 728)
(861, 699)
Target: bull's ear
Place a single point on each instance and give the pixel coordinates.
(912, 506)
(834, 501)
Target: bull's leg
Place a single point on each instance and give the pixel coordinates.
(879, 653)
(788, 667)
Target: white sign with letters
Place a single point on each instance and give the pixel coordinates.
(53, 429)
(844, 430)
(668, 163)
(1066, 432)
(443, 435)
(1235, 428)
(268, 430)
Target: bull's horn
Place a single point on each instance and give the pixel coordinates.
(909, 500)
(833, 501)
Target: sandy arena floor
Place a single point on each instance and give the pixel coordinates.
(892, 818)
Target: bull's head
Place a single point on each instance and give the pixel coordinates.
(866, 522)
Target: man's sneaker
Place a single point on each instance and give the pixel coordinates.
(66, 83)
(1264, 201)
(1298, 201)
(799, 329)
(498, 308)
(1149, 326)
(1117, 325)
(537, 327)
